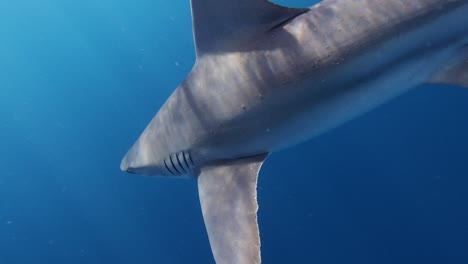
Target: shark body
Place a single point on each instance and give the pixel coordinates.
(268, 77)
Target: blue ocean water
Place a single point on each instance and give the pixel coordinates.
(79, 81)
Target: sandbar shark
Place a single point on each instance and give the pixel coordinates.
(267, 77)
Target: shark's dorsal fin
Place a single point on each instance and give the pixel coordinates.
(222, 25)
(228, 197)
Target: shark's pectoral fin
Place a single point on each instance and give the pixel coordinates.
(455, 73)
(228, 197)
(223, 25)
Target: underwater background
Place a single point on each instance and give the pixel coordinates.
(80, 80)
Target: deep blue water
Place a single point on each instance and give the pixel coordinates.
(79, 81)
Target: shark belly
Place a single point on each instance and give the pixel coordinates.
(322, 103)
(341, 104)
(316, 112)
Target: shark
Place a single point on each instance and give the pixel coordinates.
(268, 77)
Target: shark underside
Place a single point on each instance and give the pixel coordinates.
(268, 77)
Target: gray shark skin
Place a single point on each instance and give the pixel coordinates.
(268, 77)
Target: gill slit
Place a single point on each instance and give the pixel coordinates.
(180, 164)
(167, 168)
(190, 157)
(173, 165)
(185, 160)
